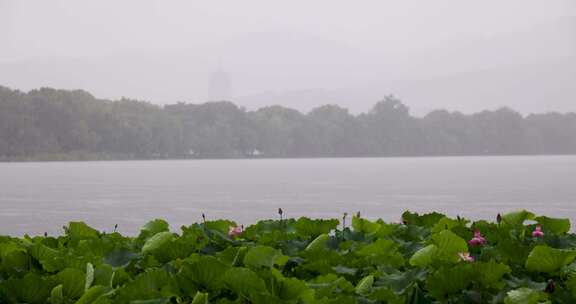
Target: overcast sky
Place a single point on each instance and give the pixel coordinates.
(460, 55)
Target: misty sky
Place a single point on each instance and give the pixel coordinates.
(460, 55)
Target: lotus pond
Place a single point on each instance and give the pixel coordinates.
(514, 258)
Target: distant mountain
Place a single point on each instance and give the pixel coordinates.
(533, 70)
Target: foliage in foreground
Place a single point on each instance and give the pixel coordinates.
(520, 258)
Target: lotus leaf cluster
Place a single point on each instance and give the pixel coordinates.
(520, 258)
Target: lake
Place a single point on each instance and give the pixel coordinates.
(39, 197)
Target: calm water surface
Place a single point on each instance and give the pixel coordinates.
(39, 197)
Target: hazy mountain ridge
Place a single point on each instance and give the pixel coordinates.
(300, 70)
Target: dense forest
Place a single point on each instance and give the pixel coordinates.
(58, 124)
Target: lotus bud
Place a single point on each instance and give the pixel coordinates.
(538, 233)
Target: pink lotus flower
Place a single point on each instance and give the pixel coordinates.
(465, 257)
(538, 233)
(235, 231)
(477, 240)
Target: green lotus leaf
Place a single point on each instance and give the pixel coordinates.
(73, 282)
(156, 226)
(426, 220)
(153, 227)
(400, 281)
(152, 301)
(57, 295)
(554, 225)
(490, 274)
(385, 229)
(331, 285)
(524, 296)
(517, 218)
(571, 284)
(386, 295)
(9, 247)
(424, 256)
(32, 288)
(89, 276)
(119, 257)
(450, 280)
(449, 245)
(120, 277)
(200, 298)
(78, 231)
(447, 223)
(51, 259)
(206, 272)
(306, 227)
(14, 258)
(318, 243)
(345, 270)
(365, 226)
(221, 226)
(365, 285)
(266, 227)
(292, 289)
(103, 275)
(543, 258)
(382, 251)
(244, 282)
(157, 241)
(261, 256)
(232, 256)
(93, 294)
(154, 284)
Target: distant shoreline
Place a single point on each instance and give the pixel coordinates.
(103, 159)
(58, 125)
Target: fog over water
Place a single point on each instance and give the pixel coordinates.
(302, 151)
(38, 197)
(452, 54)
(432, 54)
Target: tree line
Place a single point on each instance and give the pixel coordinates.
(58, 124)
